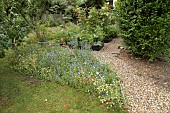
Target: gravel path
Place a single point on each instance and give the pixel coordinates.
(146, 85)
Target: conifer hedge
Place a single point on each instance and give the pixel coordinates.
(145, 26)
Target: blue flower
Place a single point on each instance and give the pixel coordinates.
(55, 54)
(56, 75)
(86, 75)
(115, 74)
(75, 64)
(40, 59)
(106, 71)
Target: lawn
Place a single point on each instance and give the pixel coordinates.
(20, 93)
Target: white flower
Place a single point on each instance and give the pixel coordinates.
(45, 100)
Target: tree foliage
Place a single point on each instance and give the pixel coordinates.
(145, 26)
(93, 3)
(18, 16)
(12, 25)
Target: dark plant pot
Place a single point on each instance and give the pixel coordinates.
(97, 47)
(61, 44)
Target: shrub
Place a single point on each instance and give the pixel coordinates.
(54, 20)
(95, 21)
(112, 31)
(69, 13)
(53, 31)
(77, 68)
(41, 33)
(90, 25)
(30, 38)
(72, 30)
(64, 33)
(58, 6)
(145, 26)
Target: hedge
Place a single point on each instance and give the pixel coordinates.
(145, 26)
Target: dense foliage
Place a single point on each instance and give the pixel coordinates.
(12, 23)
(41, 49)
(17, 19)
(93, 3)
(97, 22)
(145, 26)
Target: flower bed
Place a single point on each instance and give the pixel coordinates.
(77, 68)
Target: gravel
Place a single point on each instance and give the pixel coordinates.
(139, 85)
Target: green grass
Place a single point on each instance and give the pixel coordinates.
(23, 94)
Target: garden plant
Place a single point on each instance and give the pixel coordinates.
(145, 26)
(60, 51)
(74, 67)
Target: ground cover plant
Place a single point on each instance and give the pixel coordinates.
(74, 67)
(21, 93)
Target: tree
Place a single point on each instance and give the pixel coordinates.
(13, 25)
(18, 16)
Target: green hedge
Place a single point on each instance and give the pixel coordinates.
(145, 26)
